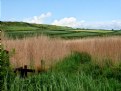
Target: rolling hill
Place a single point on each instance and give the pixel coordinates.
(22, 29)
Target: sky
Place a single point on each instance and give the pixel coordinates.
(95, 14)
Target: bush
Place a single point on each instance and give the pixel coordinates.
(71, 63)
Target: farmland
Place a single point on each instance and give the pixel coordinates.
(74, 59)
(21, 29)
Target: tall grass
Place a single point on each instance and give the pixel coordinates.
(59, 82)
(33, 50)
(70, 74)
(101, 48)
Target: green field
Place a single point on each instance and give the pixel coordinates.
(21, 29)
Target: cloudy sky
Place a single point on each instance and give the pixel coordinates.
(98, 14)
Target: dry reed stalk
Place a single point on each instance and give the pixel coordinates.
(33, 50)
(100, 48)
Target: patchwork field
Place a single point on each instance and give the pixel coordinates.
(21, 30)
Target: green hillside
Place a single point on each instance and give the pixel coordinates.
(22, 29)
(13, 26)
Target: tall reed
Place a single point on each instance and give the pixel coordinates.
(33, 50)
(101, 49)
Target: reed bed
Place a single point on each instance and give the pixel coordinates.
(32, 50)
(101, 48)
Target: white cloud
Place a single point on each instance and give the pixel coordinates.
(72, 22)
(38, 19)
(103, 25)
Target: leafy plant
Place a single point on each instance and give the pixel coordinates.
(4, 65)
(5, 70)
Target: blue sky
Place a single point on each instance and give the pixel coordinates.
(105, 14)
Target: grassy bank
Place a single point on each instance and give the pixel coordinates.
(74, 73)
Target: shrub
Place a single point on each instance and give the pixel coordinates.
(71, 63)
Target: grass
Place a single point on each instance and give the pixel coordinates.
(94, 66)
(20, 30)
(69, 74)
(37, 48)
(66, 34)
(105, 48)
(101, 31)
(28, 50)
(15, 26)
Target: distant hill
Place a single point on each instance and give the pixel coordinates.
(22, 29)
(29, 26)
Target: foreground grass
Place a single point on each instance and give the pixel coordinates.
(74, 73)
